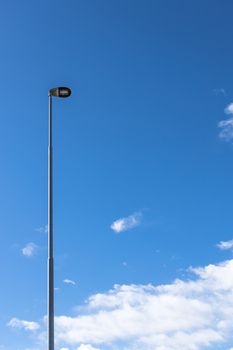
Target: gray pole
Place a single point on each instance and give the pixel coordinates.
(58, 92)
(50, 235)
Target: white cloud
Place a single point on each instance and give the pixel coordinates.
(22, 324)
(226, 125)
(29, 250)
(229, 109)
(86, 347)
(126, 223)
(227, 129)
(67, 281)
(225, 245)
(183, 315)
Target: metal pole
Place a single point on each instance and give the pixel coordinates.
(50, 235)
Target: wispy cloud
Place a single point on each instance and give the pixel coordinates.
(29, 250)
(225, 245)
(127, 223)
(42, 229)
(22, 324)
(68, 281)
(220, 91)
(226, 125)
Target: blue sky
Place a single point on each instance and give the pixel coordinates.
(143, 169)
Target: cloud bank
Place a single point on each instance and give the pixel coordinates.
(126, 223)
(188, 314)
(183, 315)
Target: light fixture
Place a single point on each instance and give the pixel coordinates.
(61, 91)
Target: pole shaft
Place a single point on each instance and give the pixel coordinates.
(50, 235)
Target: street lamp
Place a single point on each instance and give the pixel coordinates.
(57, 92)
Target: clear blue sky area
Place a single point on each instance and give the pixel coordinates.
(138, 138)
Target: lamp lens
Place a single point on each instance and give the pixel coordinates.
(64, 92)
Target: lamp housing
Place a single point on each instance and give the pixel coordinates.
(60, 91)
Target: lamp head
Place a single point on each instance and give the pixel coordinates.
(61, 91)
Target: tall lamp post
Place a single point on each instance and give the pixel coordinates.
(57, 92)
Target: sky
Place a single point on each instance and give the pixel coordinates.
(143, 174)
